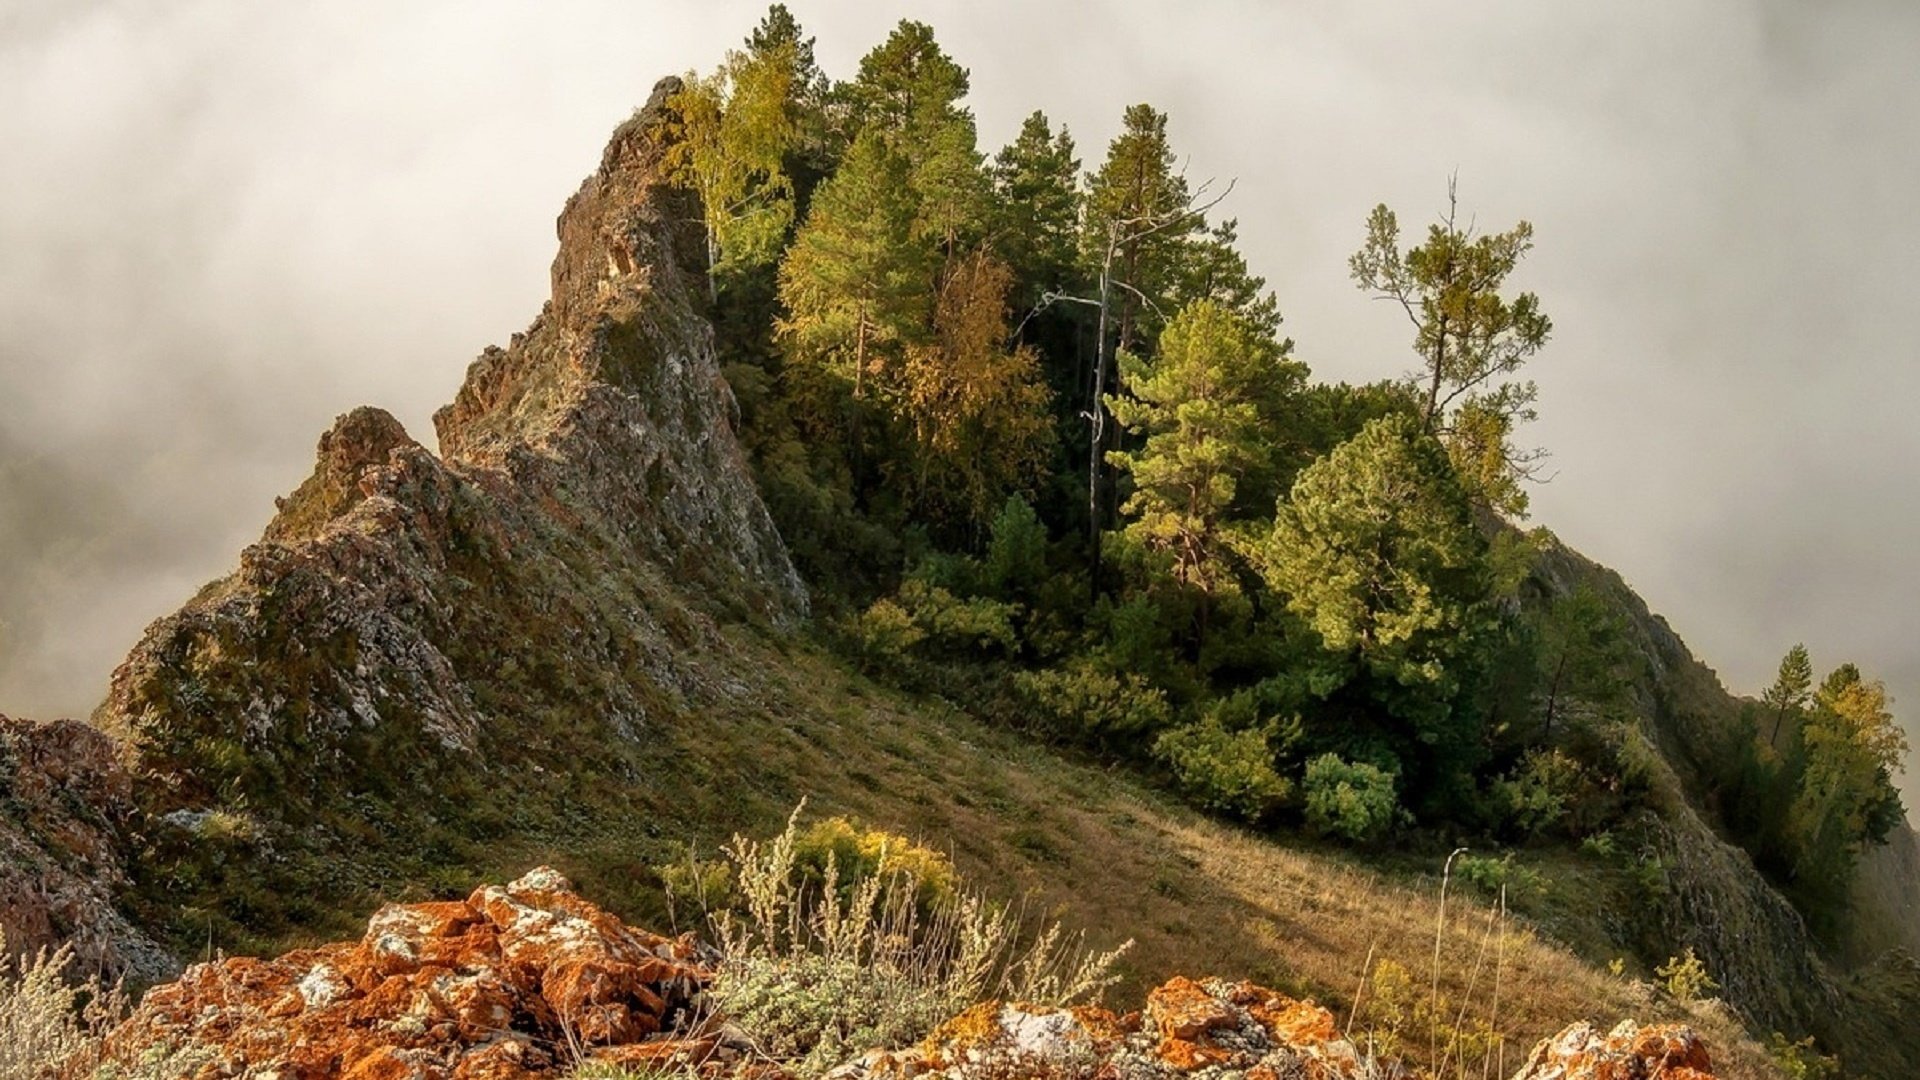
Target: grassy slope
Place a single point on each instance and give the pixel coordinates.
(1090, 846)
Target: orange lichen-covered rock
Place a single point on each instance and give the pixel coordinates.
(1181, 1009)
(501, 986)
(1628, 1052)
(521, 981)
(1187, 1028)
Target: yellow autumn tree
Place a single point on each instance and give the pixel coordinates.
(1847, 800)
(733, 131)
(976, 407)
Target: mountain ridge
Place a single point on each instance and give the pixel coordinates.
(356, 712)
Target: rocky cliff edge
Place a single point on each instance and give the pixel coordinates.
(421, 644)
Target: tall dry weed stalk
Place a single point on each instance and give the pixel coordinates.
(47, 1020)
(1460, 1035)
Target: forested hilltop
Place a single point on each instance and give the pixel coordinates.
(978, 506)
(1033, 434)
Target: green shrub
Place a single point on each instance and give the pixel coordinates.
(1800, 1061)
(1685, 977)
(1650, 875)
(1491, 875)
(883, 634)
(1228, 771)
(852, 853)
(1016, 561)
(1354, 800)
(1084, 700)
(694, 888)
(923, 616)
(1135, 635)
(972, 624)
(1536, 795)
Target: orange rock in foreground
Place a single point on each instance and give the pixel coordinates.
(517, 981)
(499, 986)
(1188, 1026)
(1214, 1028)
(1628, 1052)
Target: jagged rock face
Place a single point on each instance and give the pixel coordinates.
(1752, 940)
(1714, 900)
(1628, 1052)
(65, 801)
(419, 641)
(614, 395)
(513, 982)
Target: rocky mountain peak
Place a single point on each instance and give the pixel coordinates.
(414, 628)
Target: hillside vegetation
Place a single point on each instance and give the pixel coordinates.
(1039, 446)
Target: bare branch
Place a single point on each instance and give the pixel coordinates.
(1143, 298)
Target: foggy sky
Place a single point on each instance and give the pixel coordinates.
(222, 224)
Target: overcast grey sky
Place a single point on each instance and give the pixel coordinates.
(222, 224)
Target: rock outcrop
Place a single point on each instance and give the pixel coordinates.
(1713, 899)
(530, 980)
(65, 803)
(1628, 1052)
(1188, 1028)
(515, 981)
(421, 645)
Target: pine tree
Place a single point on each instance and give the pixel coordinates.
(1583, 654)
(1469, 339)
(779, 34)
(854, 283)
(909, 93)
(1376, 549)
(1138, 217)
(1210, 267)
(1791, 690)
(1137, 212)
(1194, 406)
(1036, 182)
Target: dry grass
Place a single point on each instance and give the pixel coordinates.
(1100, 852)
(815, 972)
